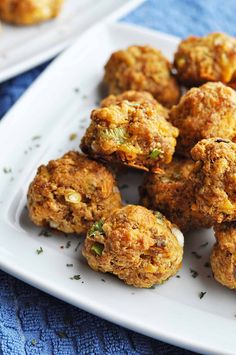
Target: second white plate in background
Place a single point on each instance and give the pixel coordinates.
(23, 47)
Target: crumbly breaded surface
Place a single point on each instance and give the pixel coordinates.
(71, 193)
(29, 12)
(223, 256)
(142, 68)
(171, 192)
(133, 96)
(136, 244)
(214, 179)
(209, 58)
(134, 134)
(204, 112)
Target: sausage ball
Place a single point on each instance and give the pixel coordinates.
(140, 246)
(71, 193)
(223, 256)
(142, 68)
(204, 112)
(29, 12)
(209, 58)
(171, 192)
(214, 179)
(134, 134)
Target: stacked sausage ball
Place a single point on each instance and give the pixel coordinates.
(185, 145)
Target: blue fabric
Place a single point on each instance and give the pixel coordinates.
(32, 322)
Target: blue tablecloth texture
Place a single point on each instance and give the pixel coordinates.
(32, 322)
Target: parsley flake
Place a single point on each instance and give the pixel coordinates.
(97, 248)
(69, 265)
(203, 245)
(39, 251)
(96, 228)
(154, 154)
(33, 342)
(34, 138)
(68, 244)
(45, 233)
(201, 295)
(7, 170)
(194, 273)
(75, 277)
(72, 136)
(196, 255)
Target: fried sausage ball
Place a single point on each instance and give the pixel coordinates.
(214, 179)
(142, 68)
(171, 192)
(140, 246)
(131, 133)
(204, 112)
(71, 193)
(29, 12)
(209, 58)
(223, 256)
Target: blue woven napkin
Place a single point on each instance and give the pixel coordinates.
(32, 322)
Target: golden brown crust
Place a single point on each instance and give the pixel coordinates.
(209, 58)
(133, 96)
(134, 134)
(142, 68)
(223, 257)
(136, 245)
(171, 192)
(28, 12)
(204, 112)
(214, 179)
(72, 192)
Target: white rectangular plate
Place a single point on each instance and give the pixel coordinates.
(23, 47)
(56, 105)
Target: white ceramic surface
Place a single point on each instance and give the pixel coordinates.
(55, 106)
(23, 47)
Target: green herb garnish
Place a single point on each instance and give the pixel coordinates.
(33, 342)
(159, 215)
(96, 228)
(34, 138)
(7, 170)
(97, 248)
(73, 136)
(69, 265)
(203, 245)
(39, 251)
(201, 295)
(44, 233)
(118, 134)
(75, 277)
(68, 244)
(154, 154)
(77, 246)
(196, 255)
(194, 273)
(135, 104)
